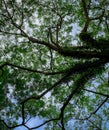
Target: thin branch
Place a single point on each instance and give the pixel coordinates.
(34, 40)
(47, 90)
(57, 32)
(85, 9)
(86, 15)
(102, 94)
(98, 17)
(106, 23)
(10, 127)
(28, 119)
(27, 127)
(6, 7)
(50, 35)
(10, 33)
(100, 106)
(94, 112)
(23, 33)
(54, 119)
(67, 101)
(51, 59)
(31, 70)
(22, 14)
(98, 128)
(23, 116)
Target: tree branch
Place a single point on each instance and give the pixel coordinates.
(102, 94)
(80, 54)
(86, 15)
(54, 119)
(31, 70)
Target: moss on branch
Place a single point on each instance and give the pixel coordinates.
(88, 40)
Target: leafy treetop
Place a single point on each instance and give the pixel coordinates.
(50, 72)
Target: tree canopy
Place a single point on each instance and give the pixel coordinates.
(54, 58)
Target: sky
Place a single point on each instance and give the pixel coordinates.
(32, 123)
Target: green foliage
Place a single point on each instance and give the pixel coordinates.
(49, 72)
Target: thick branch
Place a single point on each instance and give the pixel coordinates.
(75, 69)
(78, 84)
(86, 54)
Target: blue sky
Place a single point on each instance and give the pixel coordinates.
(32, 123)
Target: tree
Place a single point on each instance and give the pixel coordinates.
(51, 72)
